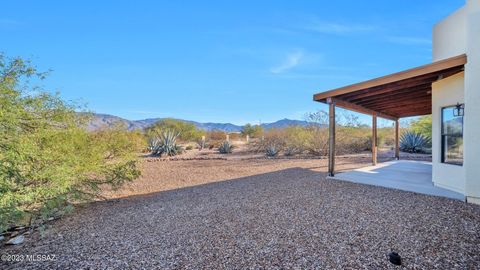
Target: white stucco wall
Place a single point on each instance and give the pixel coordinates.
(457, 34)
(446, 92)
(472, 103)
(449, 36)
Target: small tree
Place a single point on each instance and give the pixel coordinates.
(318, 141)
(423, 126)
(254, 131)
(47, 158)
(188, 132)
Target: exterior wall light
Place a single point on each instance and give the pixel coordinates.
(459, 110)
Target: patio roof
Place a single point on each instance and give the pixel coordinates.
(403, 94)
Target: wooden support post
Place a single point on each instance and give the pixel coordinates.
(397, 140)
(331, 138)
(374, 139)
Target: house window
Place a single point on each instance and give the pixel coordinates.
(452, 137)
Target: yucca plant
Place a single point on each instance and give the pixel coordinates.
(413, 142)
(165, 143)
(225, 148)
(271, 150)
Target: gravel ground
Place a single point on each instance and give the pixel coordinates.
(286, 215)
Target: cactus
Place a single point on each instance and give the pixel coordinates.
(225, 148)
(272, 150)
(413, 142)
(164, 143)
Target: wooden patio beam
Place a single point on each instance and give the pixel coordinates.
(397, 102)
(401, 104)
(361, 109)
(381, 90)
(416, 113)
(404, 94)
(409, 108)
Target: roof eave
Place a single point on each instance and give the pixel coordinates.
(452, 62)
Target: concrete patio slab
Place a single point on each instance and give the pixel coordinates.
(414, 176)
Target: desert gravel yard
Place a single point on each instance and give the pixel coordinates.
(257, 214)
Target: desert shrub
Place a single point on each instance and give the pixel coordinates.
(274, 136)
(297, 139)
(48, 160)
(254, 131)
(120, 138)
(188, 132)
(225, 148)
(350, 140)
(317, 128)
(413, 142)
(216, 135)
(386, 136)
(215, 138)
(164, 143)
(290, 151)
(189, 147)
(234, 136)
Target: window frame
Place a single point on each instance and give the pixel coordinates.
(443, 137)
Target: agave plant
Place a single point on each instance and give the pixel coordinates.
(413, 142)
(225, 148)
(154, 145)
(272, 150)
(165, 143)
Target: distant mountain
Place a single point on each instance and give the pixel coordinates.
(102, 120)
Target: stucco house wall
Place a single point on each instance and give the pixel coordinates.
(472, 103)
(457, 34)
(449, 36)
(446, 92)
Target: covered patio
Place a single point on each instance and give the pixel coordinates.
(406, 175)
(395, 96)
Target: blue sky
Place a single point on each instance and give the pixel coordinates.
(217, 61)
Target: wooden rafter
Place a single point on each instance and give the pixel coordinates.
(361, 109)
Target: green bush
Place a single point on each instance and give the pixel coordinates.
(297, 139)
(48, 161)
(423, 125)
(254, 131)
(188, 132)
